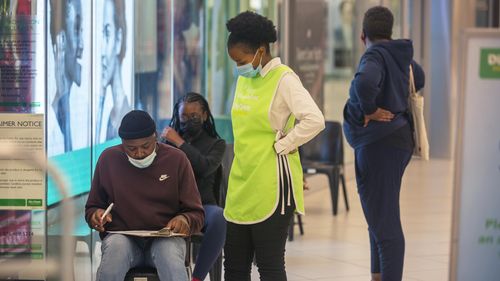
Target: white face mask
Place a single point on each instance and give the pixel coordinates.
(143, 163)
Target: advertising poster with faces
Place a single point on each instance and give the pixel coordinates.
(68, 102)
(113, 66)
(68, 75)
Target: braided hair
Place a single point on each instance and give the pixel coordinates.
(208, 125)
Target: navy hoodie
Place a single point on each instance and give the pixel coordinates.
(382, 80)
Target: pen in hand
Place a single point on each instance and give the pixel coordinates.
(108, 210)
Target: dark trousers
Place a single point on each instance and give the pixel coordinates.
(379, 170)
(214, 233)
(265, 240)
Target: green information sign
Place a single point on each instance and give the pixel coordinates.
(490, 63)
(12, 202)
(21, 202)
(34, 202)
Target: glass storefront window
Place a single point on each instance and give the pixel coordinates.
(487, 13)
(22, 84)
(21, 57)
(152, 57)
(113, 64)
(188, 19)
(176, 66)
(220, 75)
(340, 39)
(68, 113)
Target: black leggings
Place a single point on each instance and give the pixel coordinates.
(265, 240)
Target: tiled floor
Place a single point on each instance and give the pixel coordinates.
(337, 248)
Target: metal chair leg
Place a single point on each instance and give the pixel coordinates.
(291, 229)
(301, 227)
(333, 179)
(342, 178)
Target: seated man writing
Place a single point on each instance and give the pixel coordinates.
(152, 186)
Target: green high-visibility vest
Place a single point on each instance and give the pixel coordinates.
(254, 185)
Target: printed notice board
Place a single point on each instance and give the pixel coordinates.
(476, 208)
(22, 185)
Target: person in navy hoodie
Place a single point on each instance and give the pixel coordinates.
(377, 126)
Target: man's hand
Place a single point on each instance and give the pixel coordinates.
(172, 136)
(380, 115)
(95, 220)
(179, 224)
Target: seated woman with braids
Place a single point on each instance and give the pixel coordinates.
(192, 130)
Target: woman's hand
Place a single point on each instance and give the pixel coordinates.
(172, 136)
(281, 135)
(380, 115)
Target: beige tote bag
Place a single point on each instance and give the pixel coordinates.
(416, 108)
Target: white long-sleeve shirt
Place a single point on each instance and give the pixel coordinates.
(292, 98)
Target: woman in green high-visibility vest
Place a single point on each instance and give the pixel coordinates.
(265, 182)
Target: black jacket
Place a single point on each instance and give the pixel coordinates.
(205, 154)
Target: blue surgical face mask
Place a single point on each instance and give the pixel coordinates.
(143, 163)
(247, 70)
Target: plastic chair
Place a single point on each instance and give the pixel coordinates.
(291, 229)
(142, 274)
(227, 162)
(325, 155)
